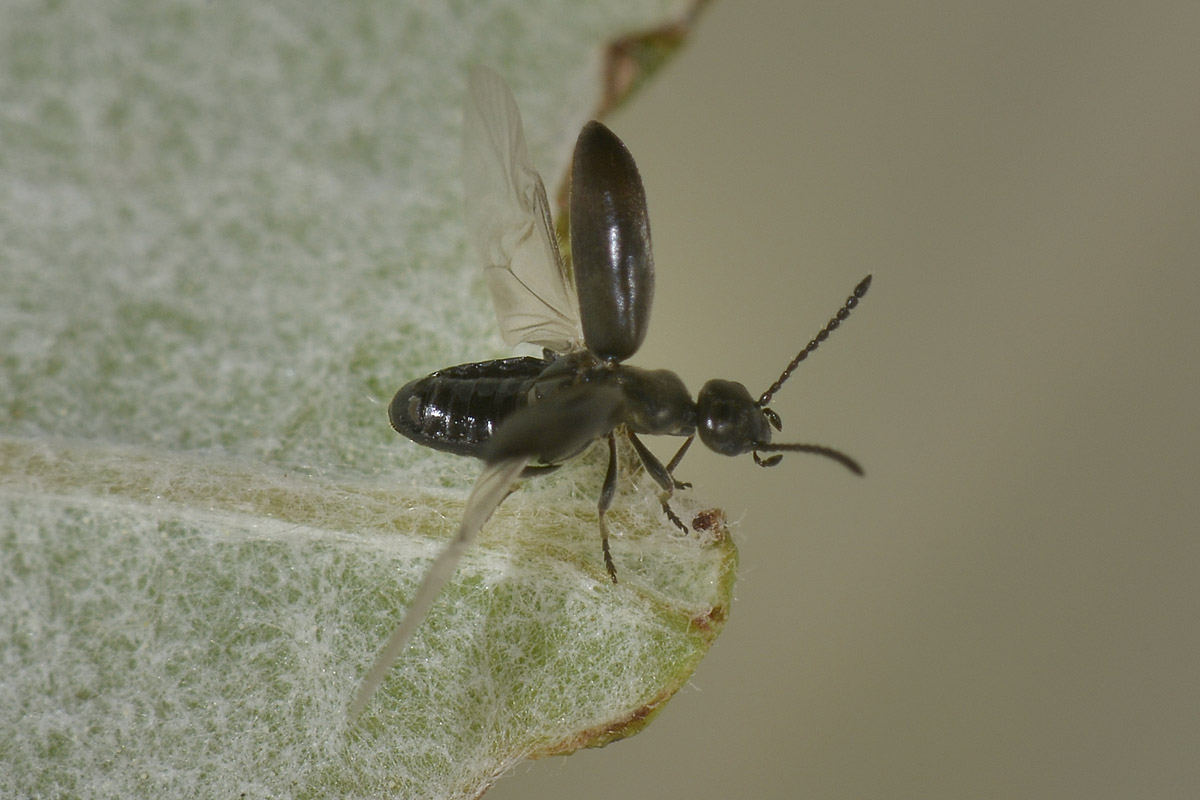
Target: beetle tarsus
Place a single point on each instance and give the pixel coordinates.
(671, 515)
(608, 559)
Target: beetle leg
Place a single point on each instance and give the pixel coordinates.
(662, 476)
(606, 498)
(679, 457)
(671, 515)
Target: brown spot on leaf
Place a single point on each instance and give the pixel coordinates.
(712, 520)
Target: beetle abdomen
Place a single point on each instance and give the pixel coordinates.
(457, 409)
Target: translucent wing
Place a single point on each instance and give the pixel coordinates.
(508, 219)
(556, 427)
(490, 490)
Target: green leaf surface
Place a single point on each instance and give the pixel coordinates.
(228, 233)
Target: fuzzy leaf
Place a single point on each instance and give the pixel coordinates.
(229, 232)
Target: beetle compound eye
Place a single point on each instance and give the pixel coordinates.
(730, 420)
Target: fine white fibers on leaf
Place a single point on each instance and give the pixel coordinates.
(200, 617)
(229, 235)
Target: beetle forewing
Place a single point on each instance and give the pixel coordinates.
(610, 244)
(508, 219)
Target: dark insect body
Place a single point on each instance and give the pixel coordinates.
(457, 409)
(522, 415)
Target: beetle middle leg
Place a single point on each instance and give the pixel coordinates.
(662, 476)
(606, 497)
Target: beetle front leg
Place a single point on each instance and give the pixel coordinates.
(679, 457)
(662, 476)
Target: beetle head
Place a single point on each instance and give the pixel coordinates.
(731, 422)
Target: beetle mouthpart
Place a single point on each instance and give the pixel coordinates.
(816, 449)
(767, 462)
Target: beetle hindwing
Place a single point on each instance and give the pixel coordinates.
(493, 486)
(508, 219)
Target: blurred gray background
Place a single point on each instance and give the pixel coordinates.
(1006, 606)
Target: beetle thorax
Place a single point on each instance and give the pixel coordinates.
(656, 401)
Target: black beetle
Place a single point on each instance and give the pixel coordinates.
(522, 415)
